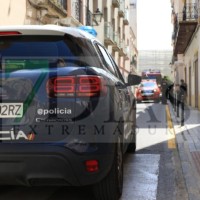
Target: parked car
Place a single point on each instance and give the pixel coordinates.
(66, 113)
(148, 90)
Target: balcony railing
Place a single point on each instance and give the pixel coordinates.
(121, 11)
(76, 10)
(52, 5)
(59, 3)
(122, 47)
(121, 43)
(89, 18)
(108, 33)
(189, 12)
(134, 61)
(62, 3)
(126, 17)
(175, 28)
(185, 24)
(116, 37)
(116, 46)
(127, 52)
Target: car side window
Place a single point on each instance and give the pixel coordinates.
(117, 69)
(106, 59)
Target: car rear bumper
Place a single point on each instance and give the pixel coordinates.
(33, 164)
(150, 97)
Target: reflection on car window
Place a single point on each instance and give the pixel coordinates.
(119, 75)
(106, 60)
(61, 62)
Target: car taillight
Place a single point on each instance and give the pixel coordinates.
(61, 87)
(64, 85)
(92, 165)
(80, 86)
(7, 33)
(90, 86)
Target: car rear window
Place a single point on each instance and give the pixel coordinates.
(33, 52)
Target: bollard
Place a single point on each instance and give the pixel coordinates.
(182, 110)
(175, 101)
(177, 107)
(177, 104)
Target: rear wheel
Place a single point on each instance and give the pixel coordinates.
(132, 145)
(110, 188)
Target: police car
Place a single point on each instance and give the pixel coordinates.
(66, 124)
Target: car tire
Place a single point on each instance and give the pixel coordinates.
(131, 148)
(132, 145)
(110, 188)
(138, 101)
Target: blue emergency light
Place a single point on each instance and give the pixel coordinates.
(89, 29)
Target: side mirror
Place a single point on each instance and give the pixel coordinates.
(133, 79)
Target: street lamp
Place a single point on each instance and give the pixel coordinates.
(97, 16)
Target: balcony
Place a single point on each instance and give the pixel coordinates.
(116, 46)
(75, 19)
(53, 7)
(76, 10)
(121, 11)
(115, 3)
(126, 17)
(62, 3)
(108, 34)
(70, 22)
(185, 24)
(127, 52)
(121, 47)
(134, 61)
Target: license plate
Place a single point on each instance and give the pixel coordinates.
(11, 110)
(147, 94)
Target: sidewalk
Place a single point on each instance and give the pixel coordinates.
(188, 144)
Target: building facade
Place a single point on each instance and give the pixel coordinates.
(155, 60)
(114, 31)
(133, 35)
(32, 12)
(113, 28)
(186, 43)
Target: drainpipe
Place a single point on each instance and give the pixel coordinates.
(87, 13)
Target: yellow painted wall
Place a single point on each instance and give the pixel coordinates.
(12, 12)
(193, 101)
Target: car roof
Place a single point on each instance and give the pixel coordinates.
(149, 80)
(47, 30)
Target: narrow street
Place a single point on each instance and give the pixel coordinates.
(148, 175)
(70, 74)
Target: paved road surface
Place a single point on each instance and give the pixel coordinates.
(148, 175)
